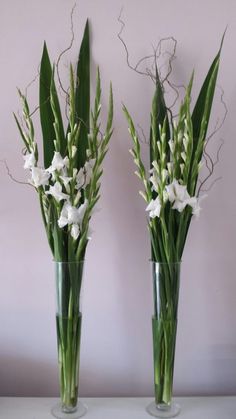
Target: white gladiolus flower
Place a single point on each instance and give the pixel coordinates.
(29, 161)
(180, 205)
(72, 215)
(56, 192)
(155, 180)
(178, 195)
(194, 202)
(65, 179)
(66, 161)
(39, 177)
(154, 207)
(63, 220)
(177, 192)
(58, 163)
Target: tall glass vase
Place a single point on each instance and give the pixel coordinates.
(166, 278)
(68, 320)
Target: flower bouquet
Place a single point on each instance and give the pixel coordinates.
(68, 189)
(177, 146)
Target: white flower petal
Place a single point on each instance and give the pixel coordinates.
(74, 150)
(56, 192)
(154, 208)
(39, 177)
(179, 205)
(29, 161)
(66, 180)
(58, 163)
(80, 179)
(75, 231)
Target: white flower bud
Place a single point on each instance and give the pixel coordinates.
(143, 195)
(159, 146)
(163, 137)
(77, 198)
(183, 155)
(137, 174)
(164, 174)
(75, 171)
(155, 166)
(186, 141)
(182, 167)
(172, 146)
(74, 150)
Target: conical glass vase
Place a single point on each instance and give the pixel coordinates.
(69, 277)
(166, 278)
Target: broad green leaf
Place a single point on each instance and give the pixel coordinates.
(46, 114)
(82, 96)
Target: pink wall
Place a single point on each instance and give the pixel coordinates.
(116, 354)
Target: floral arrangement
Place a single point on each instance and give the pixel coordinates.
(68, 184)
(177, 145)
(68, 188)
(176, 150)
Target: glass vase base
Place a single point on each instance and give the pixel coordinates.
(163, 411)
(79, 411)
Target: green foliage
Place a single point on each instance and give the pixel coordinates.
(79, 155)
(176, 149)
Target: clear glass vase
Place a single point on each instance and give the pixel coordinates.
(166, 278)
(69, 277)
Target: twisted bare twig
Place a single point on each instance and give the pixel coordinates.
(158, 53)
(11, 176)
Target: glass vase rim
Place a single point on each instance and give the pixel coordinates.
(68, 262)
(164, 263)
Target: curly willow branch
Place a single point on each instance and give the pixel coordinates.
(209, 162)
(165, 80)
(12, 177)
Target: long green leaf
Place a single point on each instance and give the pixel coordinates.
(82, 96)
(205, 97)
(159, 115)
(21, 132)
(46, 113)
